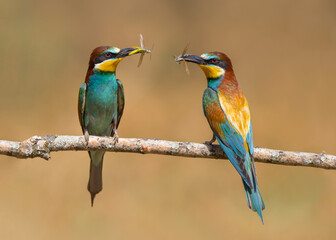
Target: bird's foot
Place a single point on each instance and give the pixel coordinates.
(213, 139)
(115, 138)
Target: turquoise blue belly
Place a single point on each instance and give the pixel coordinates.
(101, 104)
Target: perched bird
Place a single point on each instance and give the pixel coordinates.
(101, 104)
(228, 115)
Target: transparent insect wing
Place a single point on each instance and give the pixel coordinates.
(142, 45)
(184, 62)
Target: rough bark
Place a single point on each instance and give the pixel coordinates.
(42, 147)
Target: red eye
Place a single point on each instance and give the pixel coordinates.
(214, 60)
(108, 54)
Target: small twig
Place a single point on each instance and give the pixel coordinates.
(42, 146)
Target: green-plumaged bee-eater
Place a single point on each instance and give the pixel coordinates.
(101, 104)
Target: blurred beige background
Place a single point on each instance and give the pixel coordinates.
(284, 57)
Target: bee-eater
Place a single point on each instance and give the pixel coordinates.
(228, 115)
(101, 104)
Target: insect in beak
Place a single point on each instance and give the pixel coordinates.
(142, 45)
(184, 61)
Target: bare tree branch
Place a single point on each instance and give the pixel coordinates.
(42, 146)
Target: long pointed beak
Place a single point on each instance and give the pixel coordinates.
(131, 51)
(190, 58)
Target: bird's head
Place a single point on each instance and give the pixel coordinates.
(106, 59)
(214, 64)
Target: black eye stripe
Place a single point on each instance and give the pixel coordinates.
(103, 57)
(219, 63)
(213, 61)
(210, 59)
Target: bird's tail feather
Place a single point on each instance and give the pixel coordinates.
(254, 200)
(95, 184)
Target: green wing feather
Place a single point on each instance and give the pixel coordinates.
(121, 101)
(81, 105)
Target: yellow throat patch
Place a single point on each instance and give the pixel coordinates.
(108, 65)
(212, 71)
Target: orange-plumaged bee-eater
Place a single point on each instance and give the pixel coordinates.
(228, 114)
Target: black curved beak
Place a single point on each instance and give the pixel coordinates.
(190, 58)
(131, 51)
